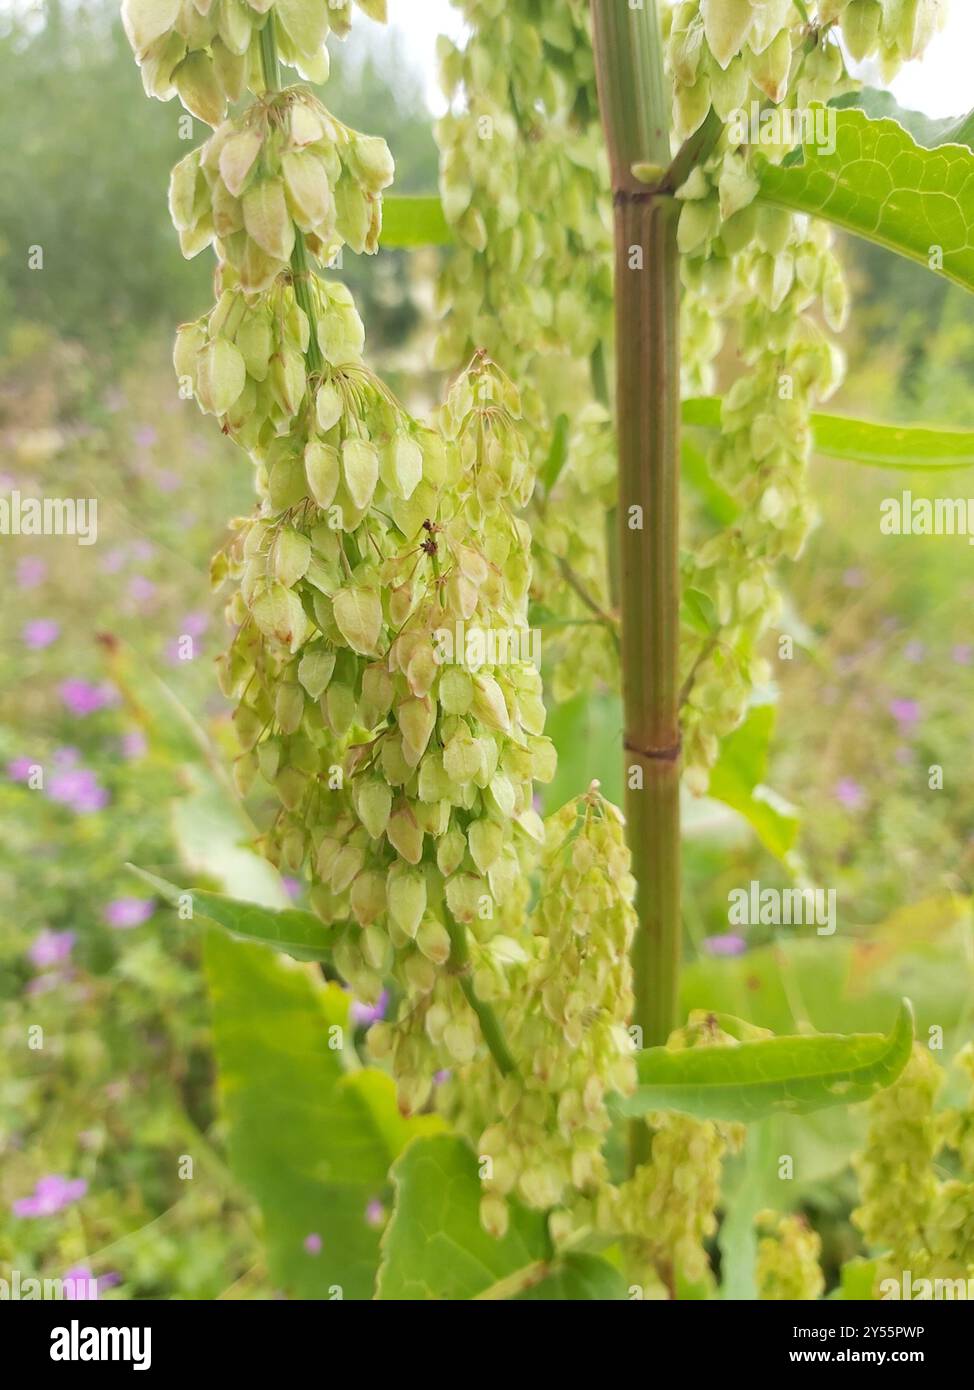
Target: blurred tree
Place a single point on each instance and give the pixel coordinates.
(76, 134)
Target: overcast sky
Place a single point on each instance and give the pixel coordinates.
(942, 85)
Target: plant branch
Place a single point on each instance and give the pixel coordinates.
(489, 1024)
(270, 65)
(300, 269)
(635, 116)
(572, 579)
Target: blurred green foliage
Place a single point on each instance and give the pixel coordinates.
(84, 168)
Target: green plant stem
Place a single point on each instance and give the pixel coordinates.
(268, 55)
(300, 269)
(635, 116)
(301, 275)
(489, 1025)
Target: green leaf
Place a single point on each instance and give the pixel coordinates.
(865, 441)
(737, 780)
(698, 611)
(587, 734)
(435, 1246)
(718, 505)
(557, 454)
(879, 104)
(310, 1141)
(578, 1277)
(299, 934)
(796, 1075)
(738, 1238)
(411, 221)
(858, 1280)
(892, 446)
(880, 184)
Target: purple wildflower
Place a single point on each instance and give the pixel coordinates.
(141, 589)
(78, 1282)
(146, 436)
(82, 698)
(51, 948)
(123, 913)
(849, 793)
(962, 654)
(134, 744)
(31, 571)
(313, 1243)
(40, 633)
(375, 1212)
(51, 1195)
(726, 944)
(364, 1014)
(113, 561)
(19, 769)
(79, 789)
(905, 712)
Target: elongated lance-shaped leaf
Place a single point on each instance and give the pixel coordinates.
(883, 186)
(299, 934)
(866, 442)
(794, 1075)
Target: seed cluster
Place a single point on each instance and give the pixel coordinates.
(916, 1175)
(208, 52)
(284, 167)
(788, 1259)
(404, 773)
(666, 1211)
(525, 186)
(564, 1016)
(772, 272)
